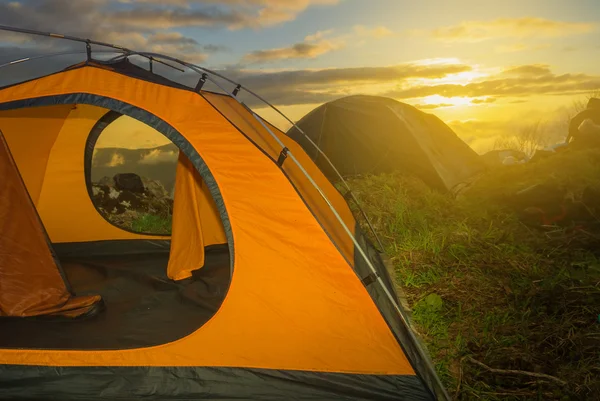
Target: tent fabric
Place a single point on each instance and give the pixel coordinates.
(256, 132)
(296, 317)
(212, 383)
(48, 144)
(42, 133)
(372, 135)
(196, 224)
(31, 283)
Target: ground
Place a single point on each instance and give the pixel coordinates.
(486, 287)
(140, 222)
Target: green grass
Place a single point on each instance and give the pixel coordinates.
(484, 285)
(150, 223)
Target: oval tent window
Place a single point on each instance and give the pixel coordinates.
(131, 176)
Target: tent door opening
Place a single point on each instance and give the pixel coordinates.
(156, 287)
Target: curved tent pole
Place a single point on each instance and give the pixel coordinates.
(240, 86)
(156, 57)
(88, 42)
(42, 56)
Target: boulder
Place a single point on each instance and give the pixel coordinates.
(154, 188)
(130, 182)
(108, 181)
(153, 198)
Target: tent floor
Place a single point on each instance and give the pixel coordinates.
(142, 306)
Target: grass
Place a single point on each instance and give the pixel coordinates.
(483, 285)
(151, 223)
(140, 222)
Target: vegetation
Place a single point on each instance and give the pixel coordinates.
(152, 223)
(489, 293)
(140, 222)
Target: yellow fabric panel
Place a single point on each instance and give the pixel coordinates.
(242, 119)
(196, 222)
(293, 303)
(30, 282)
(30, 133)
(64, 203)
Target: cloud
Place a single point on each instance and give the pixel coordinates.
(523, 81)
(350, 75)
(318, 35)
(569, 49)
(95, 19)
(302, 50)
(484, 101)
(520, 47)
(233, 14)
(315, 45)
(142, 17)
(116, 159)
(157, 156)
(294, 87)
(432, 106)
(377, 32)
(478, 31)
(535, 70)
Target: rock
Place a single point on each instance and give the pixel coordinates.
(130, 182)
(154, 188)
(108, 181)
(127, 197)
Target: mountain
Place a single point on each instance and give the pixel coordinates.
(158, 163)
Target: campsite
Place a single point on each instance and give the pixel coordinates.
(191, 207)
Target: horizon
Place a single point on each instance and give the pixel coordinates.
(486, 71)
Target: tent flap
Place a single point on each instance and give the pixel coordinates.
(31, 283)
(196, 222)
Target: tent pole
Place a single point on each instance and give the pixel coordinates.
(25, 59)
(76, 39)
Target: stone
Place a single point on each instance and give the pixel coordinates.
(108, 181)
(154, 188)
(129, 182)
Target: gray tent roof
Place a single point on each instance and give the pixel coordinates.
(371, 134)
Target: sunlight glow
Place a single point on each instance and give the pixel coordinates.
(448, 101)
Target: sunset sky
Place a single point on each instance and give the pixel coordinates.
(486, 68)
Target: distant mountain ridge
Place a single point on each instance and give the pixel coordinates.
(158, 163)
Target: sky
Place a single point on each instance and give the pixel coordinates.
(488, 69)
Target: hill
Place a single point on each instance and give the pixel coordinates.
(157, 163)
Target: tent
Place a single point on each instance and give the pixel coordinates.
(266, 288)
(371, 134)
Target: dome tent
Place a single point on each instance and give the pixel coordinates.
(238, 302)
(370, 134)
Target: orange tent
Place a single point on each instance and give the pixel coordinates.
(266, 289)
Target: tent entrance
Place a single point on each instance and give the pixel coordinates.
(143, 306)
(156, 287)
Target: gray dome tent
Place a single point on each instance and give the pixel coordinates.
(371, 134)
